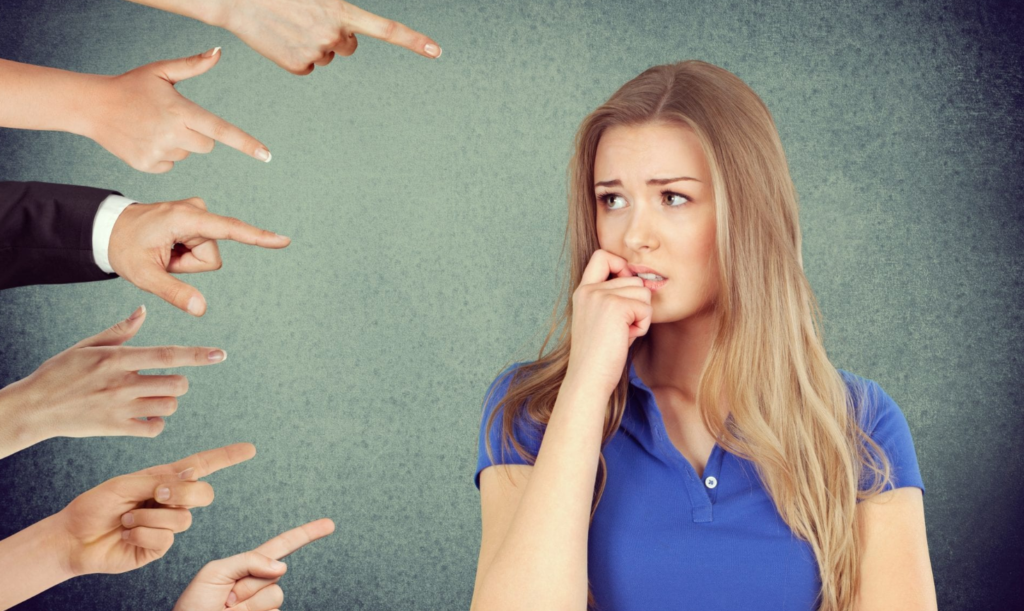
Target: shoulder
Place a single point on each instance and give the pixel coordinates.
(871, 404)
(499, 435)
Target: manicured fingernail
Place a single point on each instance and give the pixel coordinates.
(232, 599)
(139, 311)
(127, 519)
(211, 52)
(263, 155)
(125, 534)
(432, 50)
(217, 356)
(195, 305)
(276, 565)
(163, 493)
(187, 473)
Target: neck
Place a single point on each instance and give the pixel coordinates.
(673, 354)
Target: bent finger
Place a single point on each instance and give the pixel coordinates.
(212, 126)
(347, 46)
(173, 291)
(203, 257)
(326, 59)
(157, 539)
(172, 519)
(184, 494)
(266, 599)
(151, 407)
(601, 265)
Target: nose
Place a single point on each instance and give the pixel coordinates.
(641, 234)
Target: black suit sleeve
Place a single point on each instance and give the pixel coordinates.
(46, 233)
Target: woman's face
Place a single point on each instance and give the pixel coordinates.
(655, 209)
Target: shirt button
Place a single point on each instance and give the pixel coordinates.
(710, 481)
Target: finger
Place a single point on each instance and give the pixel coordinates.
(119, 333)
(137, 358)
(151, 407)
(266, 599)
(148, 385)
(203, 257)
(161, 167)
(601, 265)
(206, 462)
(212, 126)
(246, 587)
(184, 494)
(364, 22)
(638, 293)
(195, 142)
(621, 282)
(347, 45)
(176, 155)
(641, 314)
(175, 520)
(233, 568)
(172, 290)
(326, 59)
(216, 227)
(296, 538)
(175, 70)
(150, 538)
(151, 427)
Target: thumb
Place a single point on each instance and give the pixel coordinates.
(173, 291)
(175, 70)
(120, 333)
(233, 568)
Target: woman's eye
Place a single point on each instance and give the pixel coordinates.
(612, 201)
(675, 199)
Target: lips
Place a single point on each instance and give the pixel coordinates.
(647, 273)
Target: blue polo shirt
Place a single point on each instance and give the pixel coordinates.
(663, 538)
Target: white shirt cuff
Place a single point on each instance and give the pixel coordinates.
(103, 226)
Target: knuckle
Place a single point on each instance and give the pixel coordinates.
(165, 355)
(388, 29)
(186, 520)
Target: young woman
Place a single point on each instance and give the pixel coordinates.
(686, 443)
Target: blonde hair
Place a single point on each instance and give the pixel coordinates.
(791, 412)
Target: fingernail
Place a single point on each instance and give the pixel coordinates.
(217, 356)
(187, 473)
(127, 519)
(432, 50)
(232, 599)
(263, 155)
(139, 311)
(125, 534)
(211, 52)
(276, 565)
(163, 493)
(195, 305)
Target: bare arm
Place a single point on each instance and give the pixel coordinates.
(896, 572)
(36, 97)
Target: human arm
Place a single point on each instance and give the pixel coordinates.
(250, 577)
(895, 569)
(120, 525)
(536, 520)
(94, 389)
(298, 34)
(137, 116)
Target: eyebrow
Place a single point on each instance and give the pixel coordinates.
(653, 181)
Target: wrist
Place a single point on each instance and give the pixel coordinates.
(81, 104)
(18, 426)
(33, 561)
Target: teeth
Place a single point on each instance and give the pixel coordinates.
(654, 277)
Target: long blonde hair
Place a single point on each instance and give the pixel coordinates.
(790, 411)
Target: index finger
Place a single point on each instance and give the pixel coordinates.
(294, 539)
(216, 227)
(364, 22)
(603, 264)
(212, 126)
(206, 462)
(137, 358)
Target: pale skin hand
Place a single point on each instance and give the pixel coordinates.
(149, 242)
(94, 389)
(299, 34)
(120, 525)
(248, 581)
(536, 520)
(138, 116)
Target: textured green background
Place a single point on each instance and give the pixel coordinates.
(425, 201)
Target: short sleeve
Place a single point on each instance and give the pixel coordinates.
(528, 434)
(885, 423)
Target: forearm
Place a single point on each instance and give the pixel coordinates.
(41, 98)
(32, 561)
(542, 561)
(17, 430)
(212, 12)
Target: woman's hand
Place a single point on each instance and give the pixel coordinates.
(94, 389)
(130, 521)
(142, 119)
(607, 316)
(298, 34)
(249, 579)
